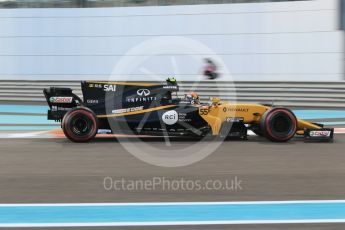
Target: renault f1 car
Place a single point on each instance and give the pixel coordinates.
(155, 109)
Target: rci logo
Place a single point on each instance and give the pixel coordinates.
(170, 117)
(143, 92)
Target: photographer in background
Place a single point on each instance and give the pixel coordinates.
(210, 69)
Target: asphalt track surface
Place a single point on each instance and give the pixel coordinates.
(58, 171)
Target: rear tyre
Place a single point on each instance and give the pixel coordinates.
(278, 124)
(80, 125)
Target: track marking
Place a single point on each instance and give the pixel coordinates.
(319, 114)
(174, 213)
(175, 223)
(174, 203)
(40, 134)
(25, 120)
(31, 109)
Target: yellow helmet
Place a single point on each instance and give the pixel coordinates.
(171, 80)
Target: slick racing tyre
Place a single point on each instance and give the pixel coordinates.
(80, 125)
(278, 124)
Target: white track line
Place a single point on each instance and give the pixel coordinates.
(172, 223)
(175, 203)
(40, 134)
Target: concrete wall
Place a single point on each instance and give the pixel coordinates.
(257, 41)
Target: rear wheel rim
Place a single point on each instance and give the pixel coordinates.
(81, 125)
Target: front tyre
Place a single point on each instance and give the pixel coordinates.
(80, 125)
(278, 124)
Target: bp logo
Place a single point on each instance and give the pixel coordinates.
(170, 117)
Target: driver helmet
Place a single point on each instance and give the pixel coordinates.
(193, 97)
(171, 80)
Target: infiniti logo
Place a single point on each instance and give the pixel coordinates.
(143, 92)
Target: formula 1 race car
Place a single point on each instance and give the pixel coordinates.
(155, 109)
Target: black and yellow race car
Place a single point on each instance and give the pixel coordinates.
(155, 109)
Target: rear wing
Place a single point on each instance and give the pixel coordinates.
(60, 101)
